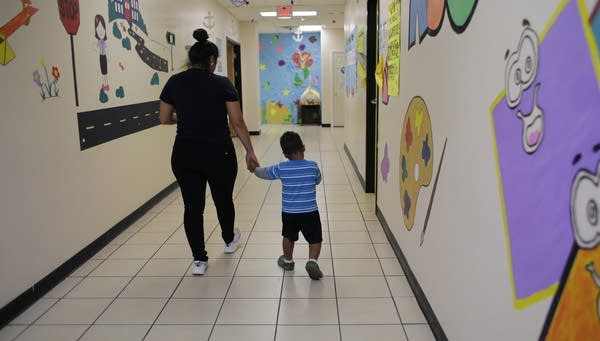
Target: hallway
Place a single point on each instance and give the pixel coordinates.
(139, 287)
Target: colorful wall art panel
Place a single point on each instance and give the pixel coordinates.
(289, 64)
(544, 121)
(416, 158)
(20, 18)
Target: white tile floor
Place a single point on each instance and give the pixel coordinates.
(139, 287)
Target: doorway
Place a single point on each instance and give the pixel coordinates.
(234, 71)
(339, 86)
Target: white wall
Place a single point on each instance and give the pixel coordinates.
(54, 198)
(463, 265)
(331, 40)
(355, 106)
(250, 75)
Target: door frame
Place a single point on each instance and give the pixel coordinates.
(237, 67)
(371, 98)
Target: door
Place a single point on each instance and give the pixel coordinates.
(339, 87)
(234, 70)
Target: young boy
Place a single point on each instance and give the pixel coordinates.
(299, 179)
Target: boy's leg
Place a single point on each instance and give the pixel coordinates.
(288, 249)
(314, 250)
(290, 235)
(312, 231)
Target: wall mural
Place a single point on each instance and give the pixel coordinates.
(350, 70)
(123, 27)
(68, 11)
(385, 164)
(416, 162)
(47, 82)
(545, 117)
(7, 54)
(427, 16)
(289, 64)
(595, 21)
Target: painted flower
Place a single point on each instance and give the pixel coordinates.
(55, 73)
(302, 59)
(36, 78)
(302, 47)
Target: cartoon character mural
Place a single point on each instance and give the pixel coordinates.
(426, 17)
(575, 311)
(533, 151)
(101, 40)
(7, 54)
(521, 71)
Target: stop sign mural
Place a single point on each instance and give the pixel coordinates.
(69, 15)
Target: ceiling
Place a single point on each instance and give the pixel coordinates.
(330, 13)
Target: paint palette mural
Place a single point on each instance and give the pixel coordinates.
(289, 64)
(548, 113)
(416, 157)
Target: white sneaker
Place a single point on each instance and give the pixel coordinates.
(237, 237)
(198, 268)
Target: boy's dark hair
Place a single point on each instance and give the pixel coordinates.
(290, 143)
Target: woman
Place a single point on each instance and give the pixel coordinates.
(198, 101)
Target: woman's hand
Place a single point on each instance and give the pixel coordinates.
(251, 161)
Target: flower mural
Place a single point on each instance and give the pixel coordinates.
(48, 85)
(302, 59)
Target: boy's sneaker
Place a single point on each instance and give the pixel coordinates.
(285, 266)
(198, 268)
(235, 243)
(313, 270)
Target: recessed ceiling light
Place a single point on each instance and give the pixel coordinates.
(309, 28)
(305, 13)
(268, 14)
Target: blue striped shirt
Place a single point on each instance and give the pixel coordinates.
(299, 180)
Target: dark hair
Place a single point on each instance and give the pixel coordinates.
(100, 20)
(201, 51)
(290, 143)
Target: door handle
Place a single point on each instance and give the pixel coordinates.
(374, 101)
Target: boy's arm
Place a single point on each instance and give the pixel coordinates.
(263, 173)
(318, 175)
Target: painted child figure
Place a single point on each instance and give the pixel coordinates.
(299, 178)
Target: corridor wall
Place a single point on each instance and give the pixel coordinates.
(60, 188)
(488, 163)
(355, 24)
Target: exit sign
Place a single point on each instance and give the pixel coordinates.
(284, 11)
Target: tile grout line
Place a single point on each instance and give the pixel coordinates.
(380, 265)
(241, 251)
(82, 279)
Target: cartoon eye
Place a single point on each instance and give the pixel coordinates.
(592, 212)
(513, 82)
(528, 64)
(528, 57)
(585, 196)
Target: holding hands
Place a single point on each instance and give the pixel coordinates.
(251, 161)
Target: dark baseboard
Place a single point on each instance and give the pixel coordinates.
(326, 125)
(434, 324)
(41, 288)
(360, 177)
(254, 133)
